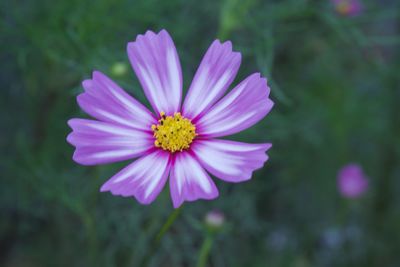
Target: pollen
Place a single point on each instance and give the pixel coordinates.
(173, 133)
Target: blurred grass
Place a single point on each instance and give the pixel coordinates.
(336, 86)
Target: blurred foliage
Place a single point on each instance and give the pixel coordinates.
(335, 81)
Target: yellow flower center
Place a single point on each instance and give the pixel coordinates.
(173, 133)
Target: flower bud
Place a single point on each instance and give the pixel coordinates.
(214, 219)
(119, 69)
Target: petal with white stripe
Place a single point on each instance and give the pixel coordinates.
(216, 72)
(104, 100)
(189, 181)
(244, 106)
(99, 142)
(144, 178)
(229, 160)
(157, 66)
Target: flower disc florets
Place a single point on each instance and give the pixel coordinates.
(173, 133)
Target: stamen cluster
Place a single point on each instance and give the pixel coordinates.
(173, 133)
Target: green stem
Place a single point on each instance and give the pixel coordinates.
(205, 250)
(154, 245)
(171, 219)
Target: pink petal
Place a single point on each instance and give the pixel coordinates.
(189, 181)
(213, 77)
(99, 142)
(228, 160)
(106, 101)
(144, 179)
(156, 64)
(244, 106)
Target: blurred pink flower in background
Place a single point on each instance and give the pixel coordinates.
(352, 182)
(348, 7)
(214, 219)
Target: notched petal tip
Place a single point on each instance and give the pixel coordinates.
(87, 84)
(177, 202)
(258, 80)
(96, 72)
(146, 201)
(130, 46)
(150, 33)
(80, 160)
(227, 45)
(238, 56)
(70, 122)
(70, 140)
(105, 187)
(267, 146)
(215, 43)
(164, 32)
(223, 44)
(270, 103)
(75, 122)
(80, 99)
(177, 205)
(98, 75)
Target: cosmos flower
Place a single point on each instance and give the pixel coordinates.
(179, 141)
(352, 182)
(348, 7)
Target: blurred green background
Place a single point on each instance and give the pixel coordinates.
(335, 81)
